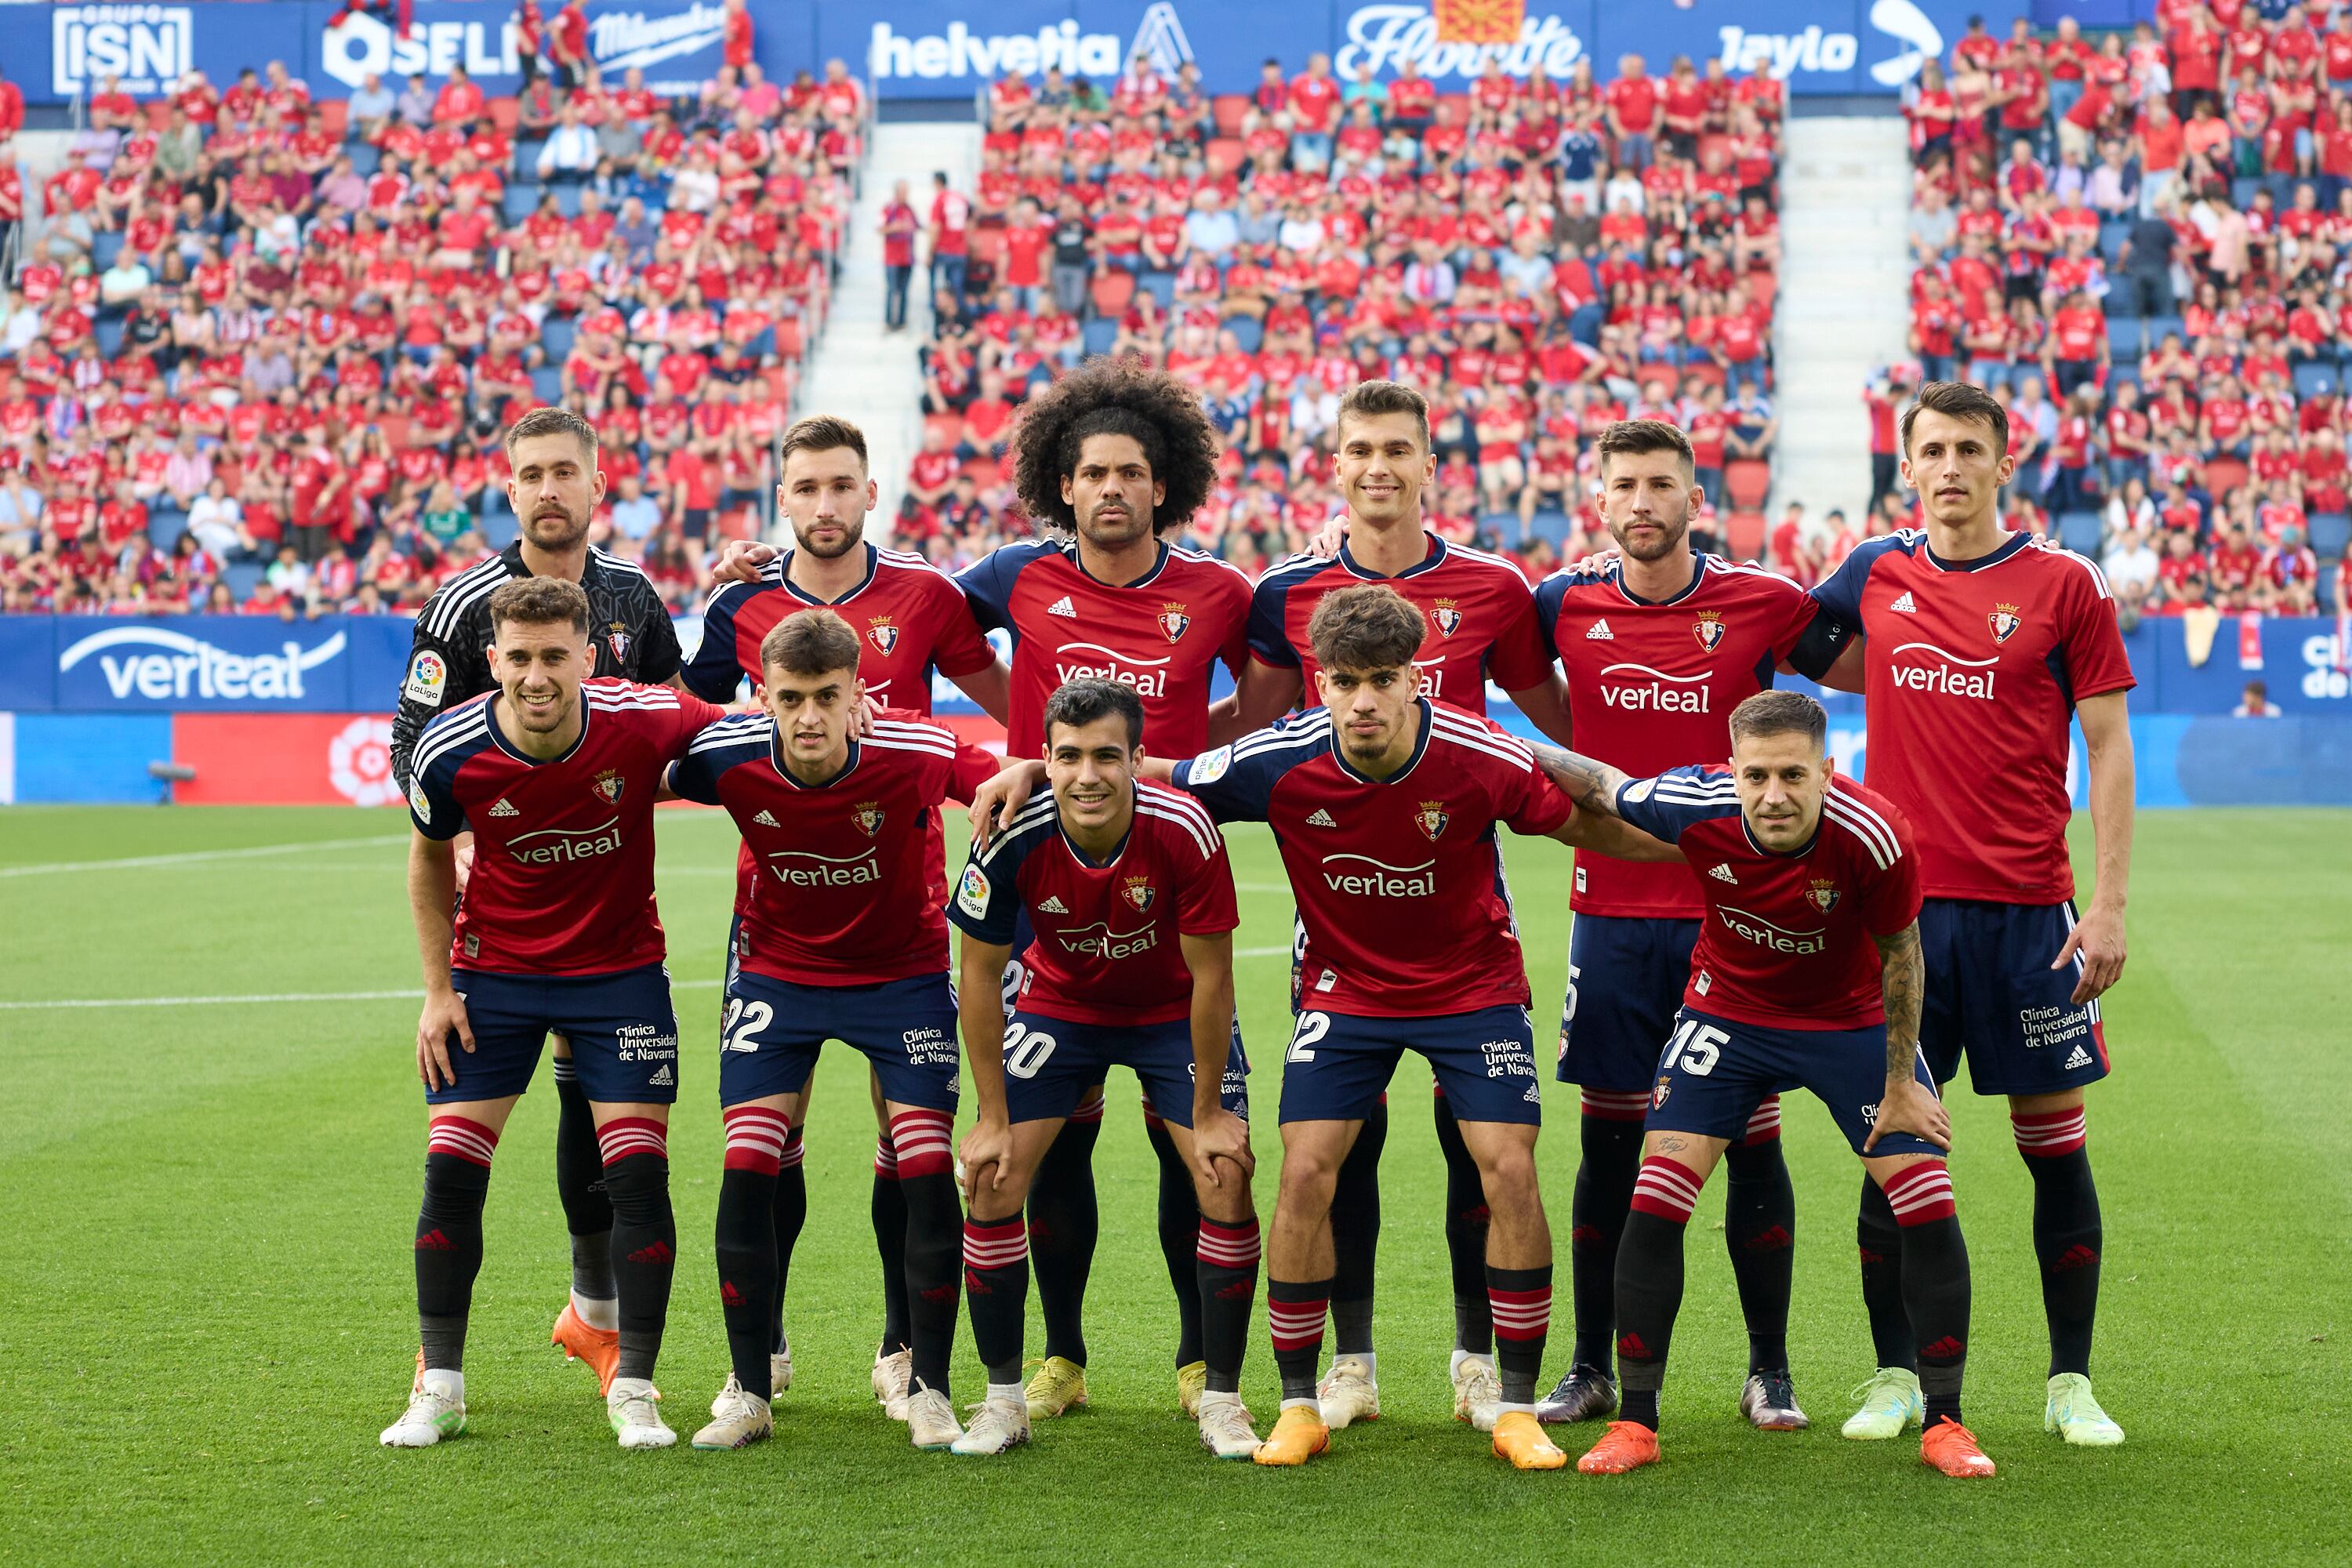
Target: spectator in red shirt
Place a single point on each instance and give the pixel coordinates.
(1313, 99)
(1633, 113)
(898, 229)
(12, 109)
(735, 51)
(460, 102)
(567, 45)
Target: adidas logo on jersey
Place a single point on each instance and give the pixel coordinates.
(1052, 906)
(503, 809)
(1600, 633)
(1062, 607)
(2081, 1058)
(1904, 605)
(1722, 873)
(663, 1077)
(1320, 818)
(765, 819)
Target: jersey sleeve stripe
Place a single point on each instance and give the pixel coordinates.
(457, 595)
(1466, 732)
(1676, 789)
(1037, 814)
(1152, 808)
(1303, 564)
(1867, 827)
(442, 739)
(889, 743)
(2098, 578)
(1297, 738)
(620, 564)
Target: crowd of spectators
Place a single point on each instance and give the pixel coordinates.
(1540, 257)
(258, 356)
(2143, 244)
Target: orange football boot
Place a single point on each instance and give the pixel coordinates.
(1626, 1445)
(600, 1347)
(1952, 1449)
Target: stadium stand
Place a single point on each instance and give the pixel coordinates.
(1540, 257)
(260, 356)
(2142, 241)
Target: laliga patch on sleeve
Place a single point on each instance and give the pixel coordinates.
(1638, 790)
(417, 800)
(1208, 766)
(426, 676)
(971, 893)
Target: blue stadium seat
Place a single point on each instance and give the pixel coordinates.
(1100, 335)
(2111, 235)
(165, 526)
(526, 152)
(2315, 379)
(499, 527)
(522, 201)
(103, 248)
(2123, 336)
(1551, 525)
(2242, 191)
(242, 577)
(1162, 287)
(2331, 531)
(1248, 331)
(567, 197)
(555, 337)
(1503, 527)
(109, 327)
(2079, 531)
(2157, 326)
(365, 158)
(546, 383)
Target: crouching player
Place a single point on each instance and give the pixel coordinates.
(1806, 975)
(556, 775)
(1128, 891)
(839, 935)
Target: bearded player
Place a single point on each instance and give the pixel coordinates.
(1806, 973)
(1980, 646)
(911, 619)
(558, 932)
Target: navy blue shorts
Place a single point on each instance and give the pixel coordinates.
(1714, 1073)
(1625, 979)
(772, 1030)
(1339, 1064)
(1050, 1063)
(622, 1032)
(1993, 998)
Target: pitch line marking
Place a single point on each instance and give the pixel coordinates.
(136, 862)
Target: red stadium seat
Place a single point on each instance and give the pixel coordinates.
(1454, 108)
(788, 339)
(1762, 287)
(1223, 154)
(503, 115)
(947, 424)
(983, 472)
(1706, 370)
(1229, 108)
(2223, 475)
(335, 116)
(158, 113)
(1112, 288)
(986, 244)
(1743, 535)
(1712, 143)
(1746, 481)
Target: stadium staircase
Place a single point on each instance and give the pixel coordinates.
(1846, 196)
(857, 370)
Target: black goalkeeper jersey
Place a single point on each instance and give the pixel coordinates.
(629, 635)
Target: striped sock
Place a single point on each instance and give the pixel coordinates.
(1294, 1311)
(1225, 1274)
(1520, 1300)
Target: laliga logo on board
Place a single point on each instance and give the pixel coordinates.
(148, 47)
(193, 667)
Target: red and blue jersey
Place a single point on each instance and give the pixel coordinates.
(563, 850)
(1481, 620)
(1973, 671)
(1401, 902)
(1651, 686)
(1786, 938)
(846, 886)
(910, 616)
(1163, 634)
(1106, 947)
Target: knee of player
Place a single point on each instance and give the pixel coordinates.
(1509, 1177)
(1306, 1184)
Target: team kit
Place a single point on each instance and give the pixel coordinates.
(1749, 922)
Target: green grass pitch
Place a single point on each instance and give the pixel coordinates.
(208, 1311)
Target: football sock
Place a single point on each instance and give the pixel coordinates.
(2067, 1236)
(1355, 1235)
(996, 1284)
(1760, 1227)
(891, 1241)
(1465, 1235)
(450, 1235)
(645, 1235)
(1650, 1281)
(1520, 1300)
(933, 1237)
(750, 1279)
(1935, 1281)
(1880, 1243)
(1180, 1225)
(1294, 1320)
(580, 1188)
(787, 1213)
(1063, 1224)
(1611, 1133)
(1226, 1284)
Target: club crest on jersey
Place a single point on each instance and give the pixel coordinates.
(1658, 1095)
(1822, 894)
(608, 785)
(1708, 629)
(1173, 620)
(867, 814)
(2004, 621)
(616, 637)
(1430, 819)
(882, 634)
(1446, 614)
(1138, 891)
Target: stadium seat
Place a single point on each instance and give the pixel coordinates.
(1763, 287)
(2242, 191)
(1713, 144)
(1707, 371)
(2111, 240)
(2223, 475)
(790, 339)
(1161, 287)
(2159, 326)
(521, 201)
(504, 116)
(1549, 526)
(1452, 109)
(527, 151)
(2327, 574)
(1111, 289)
(242, 577)
(165, 526)
(1745, 482)
(555, 337)
(499, 528)
(103, 248)
(1229, 108)
(2079, 531)
(947, 424)
(1743, 535)
(1099, 336)
(2331, 534)
(1223, 154)
(1248, 331)
(2315, 379)
(366, 158)
(335, 117)
(2123, 335)
(109, 330)
(546, 383)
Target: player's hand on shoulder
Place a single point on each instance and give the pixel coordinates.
(1327, 540)
(1594, 565)
(995, 803)
(2097, 940)
(1908, 1107)
(740, 562)
(444, 1015)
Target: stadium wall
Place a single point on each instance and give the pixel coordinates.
(267, 711)
(950, 48)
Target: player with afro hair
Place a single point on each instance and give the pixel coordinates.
(1115, 397)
